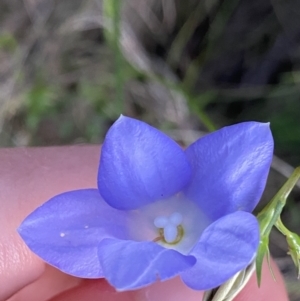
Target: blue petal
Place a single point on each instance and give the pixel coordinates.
(140, 165)
(230, 168)
(66, 231)
(225, 247)
(130, 265)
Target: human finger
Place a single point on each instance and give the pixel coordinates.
(176, 290)
(49, 284)
(40, 174)
(29, 177)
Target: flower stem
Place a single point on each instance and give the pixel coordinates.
(270, 216)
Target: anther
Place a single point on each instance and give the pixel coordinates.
(169, 228)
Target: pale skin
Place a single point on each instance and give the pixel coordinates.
(29, 177)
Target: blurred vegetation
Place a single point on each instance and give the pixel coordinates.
(69, 68)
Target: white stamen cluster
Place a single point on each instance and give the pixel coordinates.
(169, 225)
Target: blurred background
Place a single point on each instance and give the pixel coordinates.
(69, 68)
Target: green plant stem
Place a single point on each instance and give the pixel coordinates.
(274, 208)
(270, 216)
(119, 79)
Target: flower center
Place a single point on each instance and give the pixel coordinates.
(175, 223)
(170, 229)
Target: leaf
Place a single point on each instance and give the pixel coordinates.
(263, 250)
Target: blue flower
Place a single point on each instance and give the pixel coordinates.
(160, 211)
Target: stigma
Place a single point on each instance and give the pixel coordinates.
(169, 228)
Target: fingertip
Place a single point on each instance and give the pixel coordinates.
(91, 290)
(170, 290)
(51, 282)
(17, 262)
(29, 177)
(175, 290)
(100, 290)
